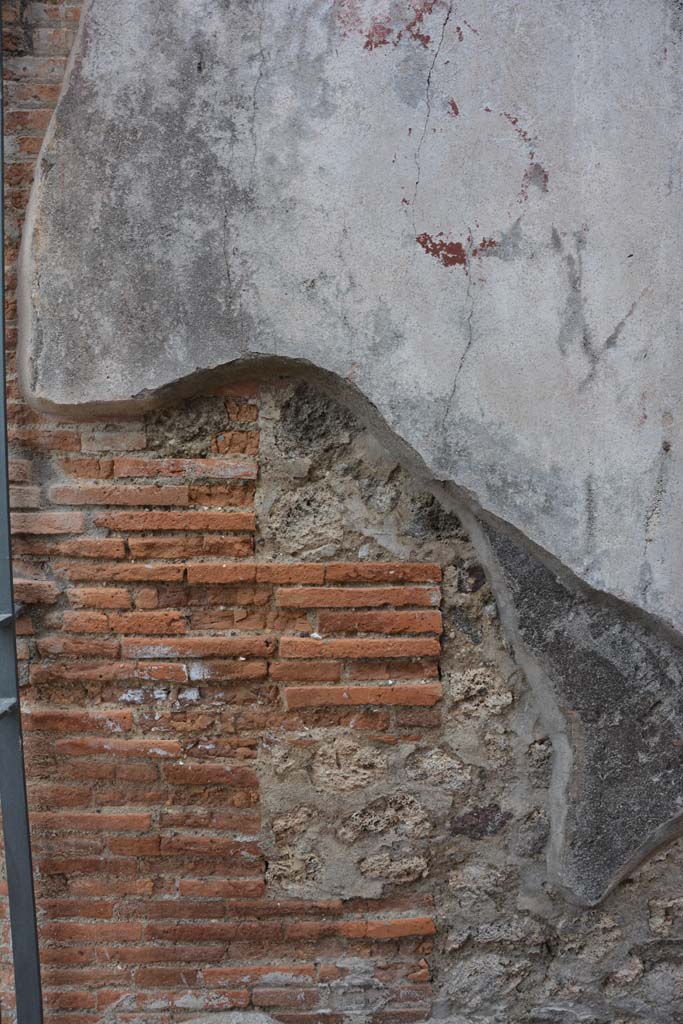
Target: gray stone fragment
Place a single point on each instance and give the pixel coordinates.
(615, 704)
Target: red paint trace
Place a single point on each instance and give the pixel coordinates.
(451, 254)
(385, 31)
(377, 35)
(454, 109)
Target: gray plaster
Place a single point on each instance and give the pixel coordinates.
(471, 213)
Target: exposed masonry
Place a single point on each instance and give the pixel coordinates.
(281, 760)
(326, 842)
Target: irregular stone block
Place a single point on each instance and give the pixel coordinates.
(611, 690)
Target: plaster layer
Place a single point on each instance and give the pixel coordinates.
(472, 212)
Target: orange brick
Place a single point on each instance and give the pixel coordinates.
(198, 647)
(110, 494)
(86, 745)
(305, 671)
(382, 572)
(358, 597)
(219, 522)
(99, 597)
(390, 623)
(50, 440)
(290, 572)
(221, 572)
(191, 774)
(191, 547)
(37, 718)
(301, 647)
(144, 622)
(321, 696)
(117, 572)
(35, 591)
(47, 522)
(417, 668)
(188, 469)
(84, 822)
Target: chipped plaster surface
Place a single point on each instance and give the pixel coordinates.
(472, 213)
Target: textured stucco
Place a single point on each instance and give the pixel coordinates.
(470, 212)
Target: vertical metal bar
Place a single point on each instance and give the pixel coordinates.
(12, 779)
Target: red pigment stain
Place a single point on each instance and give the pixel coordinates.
(454, 111)
(349, 17)
(485, 245)
(514, 121)
(404, 202)
(470, 27)
(377, 35)
(451, 254)
(421, 9)
(460, 33)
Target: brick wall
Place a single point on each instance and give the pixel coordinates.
(157, 653)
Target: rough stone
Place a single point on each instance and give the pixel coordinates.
(473, 223)
(617, 688)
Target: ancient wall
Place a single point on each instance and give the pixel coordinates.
(282, 755)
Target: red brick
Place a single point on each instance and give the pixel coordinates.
(188, 469)
(36, 591)
(302, 647)
(221, 572)
(358, 597)
(102, 439)
(108, 671)
(190, 774)
(116, 572)
(110, 494)
(37, 717)
(90, 469)
(290, 572)
(297, 997)
(226, 495)
(83, 822)
(166, 977)
(225, 671)
(305, 671)
(99, 597)
(123, 623)
(219, 522)
(99, 932)
(77, 647)
(198, 647)
(50, 440)
(191, 547)
(321, 696)
(389, 623)
(47, 522)
(382, 572)
(417, 668)
(85, 745)
(222, 887)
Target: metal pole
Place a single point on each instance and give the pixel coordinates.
(12, 780)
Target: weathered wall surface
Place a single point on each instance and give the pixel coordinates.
(402, 859)
(280, 755)
(470, 211)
